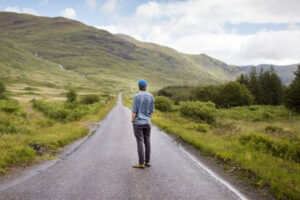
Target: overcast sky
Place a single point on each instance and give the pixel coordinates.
(241, 32)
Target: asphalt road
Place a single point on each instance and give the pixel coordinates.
(101, 169)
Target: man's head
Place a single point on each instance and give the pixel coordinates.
(142, 84)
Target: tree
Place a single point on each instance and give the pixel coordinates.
(292, 97)
(254, 85)
(209, 93)
(243, 79)
(271, 88)
(276, 89)
(71, 96)
(236, 94)
(2, 90)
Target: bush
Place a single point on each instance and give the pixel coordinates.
(71, 95)
(199, 111)
(178, 93)
(2, 90)
(209, 93)
(273, 129)
(163, 104)
(235, 94)
(6, 126)
(282, 149)
(9, 106)
(90, 99)
(66, 111)
(203, 128)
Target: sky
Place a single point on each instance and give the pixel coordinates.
(240, 32)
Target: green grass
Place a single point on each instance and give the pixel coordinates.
(27, 138)
(281, 175)
(93, 59)
(261, 150)
(63, 111)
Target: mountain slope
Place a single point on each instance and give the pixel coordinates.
(103, 57)
(212, 67)
(97, 59)
(18, 64)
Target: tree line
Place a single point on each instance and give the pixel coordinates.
(263, 88)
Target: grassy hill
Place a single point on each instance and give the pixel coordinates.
(211, 67)
(95, 58)
(21, 69)
(60, 53)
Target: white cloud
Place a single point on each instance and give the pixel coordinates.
(109, 6)
(198, 26)
(30, 11)
(91, 3)
(111, 28)
(13, 9)
(21, 10)
(69, 13)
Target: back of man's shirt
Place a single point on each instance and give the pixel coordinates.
(143, 106)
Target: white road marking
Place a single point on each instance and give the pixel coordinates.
(209, 171)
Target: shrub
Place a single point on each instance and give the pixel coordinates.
(163, 104)
(2, 90)
(267, 115)
(6, 126)
(199, 111)
(209, 93)
(66, 111)
(90, 99)
(178, 93)
(278, 148)
(203, 128)
(9, 106)
(71, 95)
(273, 129)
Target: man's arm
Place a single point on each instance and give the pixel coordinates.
(134, 109)
(152, 107)
(133, 114)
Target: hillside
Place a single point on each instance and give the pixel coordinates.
(214, 67)
(103, 58)
(61, 53)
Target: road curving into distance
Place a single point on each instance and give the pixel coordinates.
(101, 169)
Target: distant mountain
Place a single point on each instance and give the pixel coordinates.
(214, 66)
(285, 72)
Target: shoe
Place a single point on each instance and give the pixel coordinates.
(147, 164)
(140, 166)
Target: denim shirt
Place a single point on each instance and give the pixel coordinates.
(143, 106)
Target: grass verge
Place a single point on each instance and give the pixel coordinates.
(27, 138)
(259, 143)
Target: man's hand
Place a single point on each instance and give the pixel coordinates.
(133, 116)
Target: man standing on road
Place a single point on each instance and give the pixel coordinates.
(142, 110)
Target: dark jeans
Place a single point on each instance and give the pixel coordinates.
(142, 135)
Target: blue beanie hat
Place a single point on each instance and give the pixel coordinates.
(142, 83)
